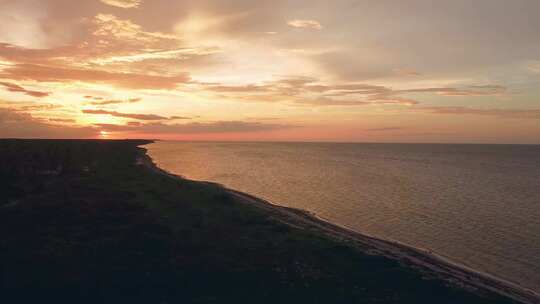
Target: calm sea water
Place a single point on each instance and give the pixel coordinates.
(478, 205)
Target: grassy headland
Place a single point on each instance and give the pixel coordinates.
(88, 222)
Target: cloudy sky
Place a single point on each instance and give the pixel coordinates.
(368, 71)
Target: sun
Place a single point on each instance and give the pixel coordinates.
(103, 133)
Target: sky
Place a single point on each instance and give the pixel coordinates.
(242, 70)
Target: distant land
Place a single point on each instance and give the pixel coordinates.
(93, 221)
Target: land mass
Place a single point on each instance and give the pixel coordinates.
(96, 221)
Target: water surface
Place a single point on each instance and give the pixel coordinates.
(478, 205)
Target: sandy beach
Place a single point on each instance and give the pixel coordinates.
(428, 263)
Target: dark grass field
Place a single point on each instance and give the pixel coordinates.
(80, 222)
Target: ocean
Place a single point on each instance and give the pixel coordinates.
(476, 205)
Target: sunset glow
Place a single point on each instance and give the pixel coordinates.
(385, 71)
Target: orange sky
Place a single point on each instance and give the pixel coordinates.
(384, 71)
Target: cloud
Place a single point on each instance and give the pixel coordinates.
(112, 101)
(324, 101)
(16, 88)
(475, 90)
(122, 44)
(111, 27)
(106, 41)
(406, 72)
(15, 53)
(306, 90)
(393, 101)
(112, 51)
(37, 107)
(306, 24)
(352, 64)
(93, 97)
(22, 23)
(311, 91)
(62, 120)
(128, 115)
(178, 117)
(23, 125)
(384, 129)
(393, 35)
(534, 67)
(179, 54)
(194, 127)
(77, 48)
(44, 73)
(501, 113)
(123, 3)
(17, 106)
(133, 115)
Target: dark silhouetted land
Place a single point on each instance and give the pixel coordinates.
(95, 222)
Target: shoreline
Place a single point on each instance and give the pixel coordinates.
(429, 264)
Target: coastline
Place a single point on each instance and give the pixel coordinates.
(427, 263)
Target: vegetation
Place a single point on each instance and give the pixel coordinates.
(81, 222)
